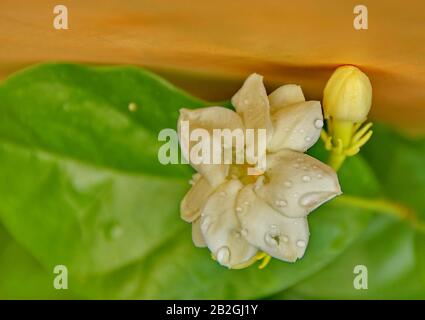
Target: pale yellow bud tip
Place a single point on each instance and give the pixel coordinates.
(347, 95)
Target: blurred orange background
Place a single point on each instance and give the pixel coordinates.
(208, 47)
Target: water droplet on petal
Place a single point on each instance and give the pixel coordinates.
(306, 178)
(301, 244)
(318, 123)
(309, 199)
(223, 255)
(295, 194)
(301, 130)
(271, 240)
(244, 232)
(259, 183)
(206, 223)
(285, 239)
(239, 209)
(307, 138)
(288, 184)
(319, 176)
(246, 101)
(281, 203)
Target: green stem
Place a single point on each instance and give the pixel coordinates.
(385, 207)
(336, 160)
(342, 132)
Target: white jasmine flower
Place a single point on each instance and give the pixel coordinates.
(238, 217)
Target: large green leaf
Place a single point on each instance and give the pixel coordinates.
(81, 186)
(81, 170)
(392, 250)
(387, 250)
(403, 179)
(398, 161)
(22, 277)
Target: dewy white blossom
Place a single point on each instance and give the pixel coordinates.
(237, 215)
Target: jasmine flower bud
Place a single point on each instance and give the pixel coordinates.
(347, 95)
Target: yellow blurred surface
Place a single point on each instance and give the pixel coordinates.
(208, 47)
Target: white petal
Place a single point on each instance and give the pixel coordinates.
(285, 96)
(296, 183)
(221, 228)
(252, 103)
(209, 118)
(197, 237)
(296, 127)
(281, 237)
(195, 198)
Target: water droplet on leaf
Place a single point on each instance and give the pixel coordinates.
(132, 107)
(113, 230)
